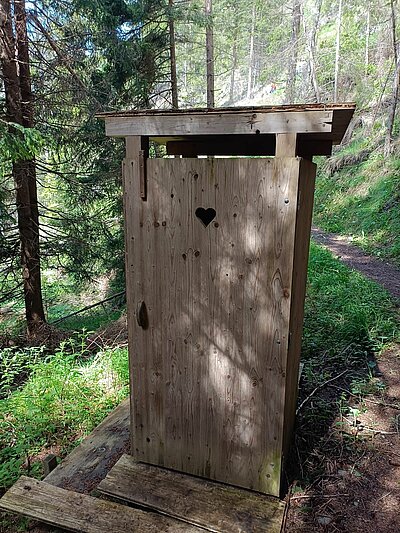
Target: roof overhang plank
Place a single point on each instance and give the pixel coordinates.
(310, 121)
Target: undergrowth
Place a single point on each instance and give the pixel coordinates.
(363, 200)
(65, 397)
(62, 297)
(349, 320)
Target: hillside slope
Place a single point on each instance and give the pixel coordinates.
(358, 194)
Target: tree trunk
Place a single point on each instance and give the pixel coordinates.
(396, 82)
(367, 35)
(337, 58)
(14, 59)
(311, 37)
(251, 51)
(209, 54)
(291, 80)
(172, 55)
(234, 63)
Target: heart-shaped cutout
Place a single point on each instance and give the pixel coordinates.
(206, 216)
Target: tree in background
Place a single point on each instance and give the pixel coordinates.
(102, 55)
(86, 57)
(15, 67)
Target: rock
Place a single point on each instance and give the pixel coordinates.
(324, 520)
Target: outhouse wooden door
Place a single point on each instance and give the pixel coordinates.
(210, 273)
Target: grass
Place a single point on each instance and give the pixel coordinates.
(349, 320)
(344, 308)
(363, 200)
(65, 397)
(91, 320)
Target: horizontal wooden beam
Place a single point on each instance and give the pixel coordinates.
(309, 121)
(244, 145)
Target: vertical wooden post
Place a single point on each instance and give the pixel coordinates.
(133, 168)
(305, 200)
(286, 145)
(137, 149)
(49, 464)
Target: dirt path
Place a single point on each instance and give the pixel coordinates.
(382, 272)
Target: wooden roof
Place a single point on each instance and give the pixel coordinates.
(250, 130)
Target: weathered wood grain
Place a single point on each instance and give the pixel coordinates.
(87, 464)
(208, 375)
(286, 145)
(83, 514)
(214, 506)
(256, 122)
(305, 199)
(345, 107)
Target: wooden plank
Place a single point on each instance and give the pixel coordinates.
(337, 107)
(211, 505)
(312, 121)
(341, 120)
(131, 188)
(81, 513)
(137, 149)
(208, 375)
(286, 145)
(133, 145)
(87, 464)
(300, 261)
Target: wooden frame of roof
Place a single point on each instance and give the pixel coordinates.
(236, 131)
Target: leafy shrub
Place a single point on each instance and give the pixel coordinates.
(64, 398)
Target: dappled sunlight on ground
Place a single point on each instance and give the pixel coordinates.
(358, 489)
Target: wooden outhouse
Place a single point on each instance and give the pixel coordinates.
(216, 266)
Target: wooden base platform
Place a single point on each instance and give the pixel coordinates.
(146, 499)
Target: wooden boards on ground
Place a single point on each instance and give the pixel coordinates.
(213, 506)
(89, 462)
(84, 514)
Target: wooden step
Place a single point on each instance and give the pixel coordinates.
(84, 514)
(89, 462)
(210, 505)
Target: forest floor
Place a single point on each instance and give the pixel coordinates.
(358, 488)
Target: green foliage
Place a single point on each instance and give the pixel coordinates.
(91, 320)
(348, 321)
(18, 143)
(65, 397)
(346, 315)
(363, 200)
(15, 364)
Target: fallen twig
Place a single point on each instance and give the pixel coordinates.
(305, 496)
(363, 399)
(318, 388)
